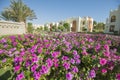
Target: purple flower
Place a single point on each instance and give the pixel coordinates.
(76, 56)
(64, 58)
(35, 59)
(49, 62)
(78, 61)
(22, 53)
(55, 61)
(92, 74)
(34, 67)
(69, 76)
(44, 69)
(32, 50)
(36, 75)
(72, 61)
(20, 76)
(75, 69)
(1, 51)
(55, 54)
(12, 49)
(15, 43)
(84, 52)
(4, 60)
(66, 65)
(28, 63)
(98, 46)
(18, 59)
(5, 45)
(39, 50)
(3, 40)
(111, 65)
(75, 52)
(106, 53)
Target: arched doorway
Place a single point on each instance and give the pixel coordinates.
(74, 26)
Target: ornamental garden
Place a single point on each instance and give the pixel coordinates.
(58, 56)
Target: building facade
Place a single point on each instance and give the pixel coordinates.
(11, 28)
(113, 22)
(77, 24)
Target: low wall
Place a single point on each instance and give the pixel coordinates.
(11, 28)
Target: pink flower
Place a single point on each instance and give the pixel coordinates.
(75, 69)
(22, 53)
(35, 59)
(103, 61)
(106, 47)
(34, 67)
(93, 57)
(64, 58)
(104, 70)
(1, 51)
(20, 76)
(39, 50)
(75, 52)
(49, 62)
(4, 60)
(36, 75)
(17, 68)
(55, 54)
(56, 61)
(66, 65)
(69, 76)
(118, 76)
(84, 53)
(72, 61)
(107, 53)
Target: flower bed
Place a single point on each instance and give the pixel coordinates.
(71, 56)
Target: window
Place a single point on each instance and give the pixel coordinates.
(112, 27)
(113, 18)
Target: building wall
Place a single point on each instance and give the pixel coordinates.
(79, 24)
(115, 13)
(76, 24)
(86, 23)
(9, 28)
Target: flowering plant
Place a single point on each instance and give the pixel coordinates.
(71, 56)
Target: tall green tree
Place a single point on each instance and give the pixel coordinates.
(30, 28)
(98, 26)
(46, 28)
(18, 12)
(101, 27)
(94, 24)
(67, 26)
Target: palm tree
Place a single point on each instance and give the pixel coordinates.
(5, 15)
(18, 12)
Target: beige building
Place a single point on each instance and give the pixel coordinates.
(11, 28)
(113, 22)
(79, 24)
